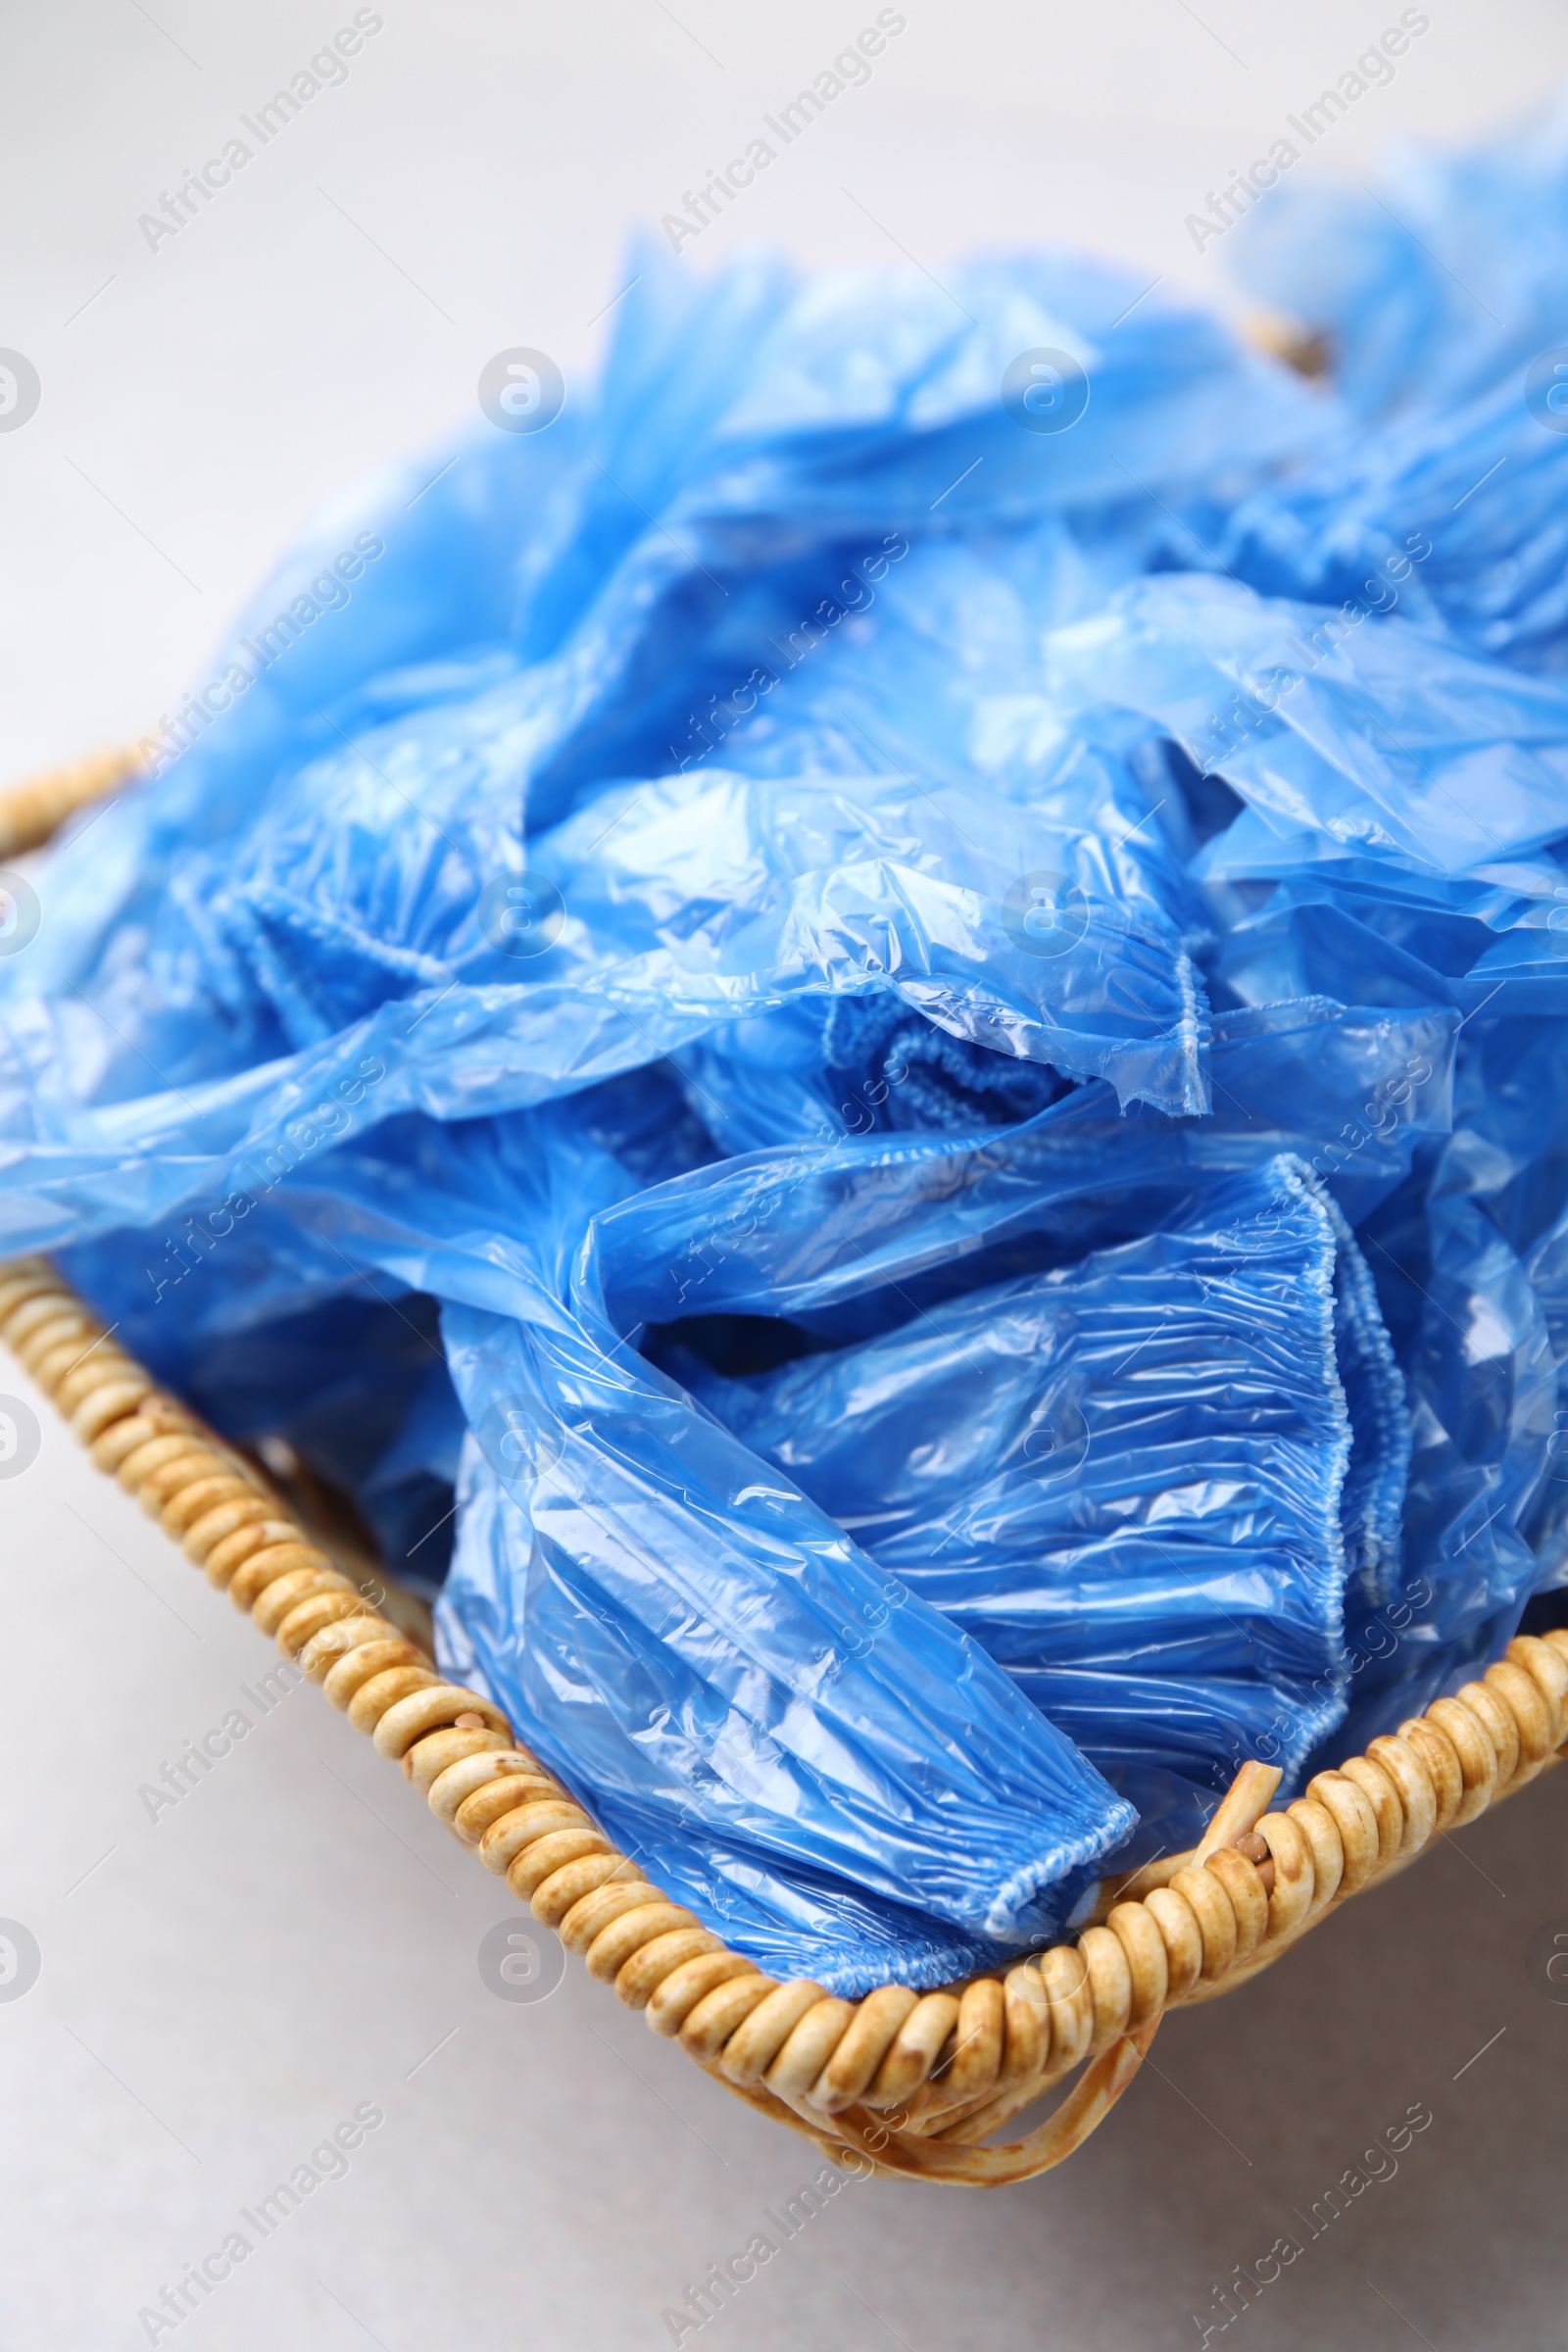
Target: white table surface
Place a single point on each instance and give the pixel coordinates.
(224, 1986)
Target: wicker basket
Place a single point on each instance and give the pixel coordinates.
(907, 2083)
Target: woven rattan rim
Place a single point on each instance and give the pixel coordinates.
(30, 813)
(907, 2083)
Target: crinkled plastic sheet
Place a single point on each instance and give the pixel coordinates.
(1135, 1462)
(974, 887)
(598, 1491)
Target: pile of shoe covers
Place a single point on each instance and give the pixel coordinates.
(871, 1038)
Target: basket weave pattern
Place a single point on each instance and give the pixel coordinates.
(912, 2084)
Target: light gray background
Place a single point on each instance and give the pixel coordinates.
(297, 1937)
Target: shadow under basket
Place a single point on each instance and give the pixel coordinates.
(914, 2084)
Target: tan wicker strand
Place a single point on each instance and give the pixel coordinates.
(1533, 1716)
(1139, 1933)
(1295, 1875)
(848, 2072)
(225, 1517)
(379, 1693)
(713, 2021)
(121, 1431)
(409, 1718)
(915, 2049)
(540, 1861)
(285, 1593)
(327, 1649)
(613, 1945)
(601, 1906)
(56, 1324)
(204, 1495)
(809, 2044)
(561, 1889)
(756, 2041)
(73, 1380)
(31, 812)
(263, 1568)
(673, 1999)
(1207, 1899)
(975, 2066)
(229, 1553)
(21, 1279)
(1438, 1753)
(1110, 1985)
(977, 2167)
(31, 1305)
(107, 1404)
(1027, 2049)
(653, 1964)
(1413, 1785)
(181, 1464)
(498, 1797)
(1496, 1718)
(1355, 1822)
(381, 1663)
(430, 1759)
(1073, 2010)
(1246, 1895)
(909, 2083)
(1388, 1811)
(1472, 1743)
(160, 1446)
(1182, 1938)
(1548, 1671)
(308, 1618)
(523, 1825)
